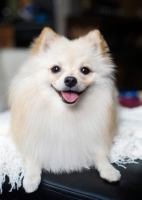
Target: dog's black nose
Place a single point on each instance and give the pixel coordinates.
(70, 81)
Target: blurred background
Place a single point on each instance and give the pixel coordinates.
(120, 22)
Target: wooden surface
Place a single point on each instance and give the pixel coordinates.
(6, 36)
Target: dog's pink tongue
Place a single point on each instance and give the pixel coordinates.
(70, 96)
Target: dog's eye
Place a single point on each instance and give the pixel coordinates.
(85, 70)
(56, 69)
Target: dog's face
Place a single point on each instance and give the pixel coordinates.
(73, 66)
(71, 73)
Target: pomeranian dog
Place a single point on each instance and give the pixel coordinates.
(63, 107)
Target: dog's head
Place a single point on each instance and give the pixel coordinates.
(72, 66)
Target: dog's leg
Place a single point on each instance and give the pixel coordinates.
(32, 177)
(106, 170)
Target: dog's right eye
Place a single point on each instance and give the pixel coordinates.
(85, 70)
(56, 69)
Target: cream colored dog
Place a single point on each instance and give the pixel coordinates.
(63, 107)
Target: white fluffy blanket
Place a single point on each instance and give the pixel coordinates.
(127, 146)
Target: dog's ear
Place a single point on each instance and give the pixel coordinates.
(96, 39)
(43, 42)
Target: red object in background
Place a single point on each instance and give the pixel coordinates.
(130, 99)
(130, 103)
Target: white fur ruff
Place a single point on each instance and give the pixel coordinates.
(127, 146)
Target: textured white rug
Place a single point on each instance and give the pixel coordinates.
(11, 163)
(127, 146)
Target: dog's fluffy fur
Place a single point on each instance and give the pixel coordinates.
(52, 131)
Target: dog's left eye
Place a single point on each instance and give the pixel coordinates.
(85, 70)
(56, 69)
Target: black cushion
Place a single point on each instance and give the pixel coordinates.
(85, 185)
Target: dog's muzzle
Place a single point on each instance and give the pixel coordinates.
(69, 96)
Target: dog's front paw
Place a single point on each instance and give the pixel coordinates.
(110, 174)
(31, 182)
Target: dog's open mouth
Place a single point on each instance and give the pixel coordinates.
(69, 96)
